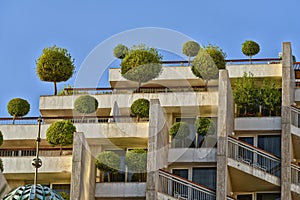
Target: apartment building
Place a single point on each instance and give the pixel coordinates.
(247, 158)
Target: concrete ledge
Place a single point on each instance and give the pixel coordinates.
(15, 165)
(192, 155)
(161, 196)
(295, 188)
(120, 190)
(258, 70)
(257, 123)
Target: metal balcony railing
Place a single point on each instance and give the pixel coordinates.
(32, 152)
(295, 174)
(73, 119)
(253, 156)
(184, 189)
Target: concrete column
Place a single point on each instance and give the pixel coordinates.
(83, 170)
(287, 100)
(157, 157)
(4, 187)
(225, 127)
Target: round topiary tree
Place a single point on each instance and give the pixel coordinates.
(55, 65)
(140, 108)
(207, 63)
(61, 133)
(141, 64)
(109, 162)
(18, 107)
(120, 51)
(204, 126)
(86, 104)
(190, 49)
(136, 161)
(250, 48)
(179, 131)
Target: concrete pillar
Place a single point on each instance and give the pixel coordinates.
(83, 170)
(157, 157)
(4, 187)
(288, 81)
(225, 127)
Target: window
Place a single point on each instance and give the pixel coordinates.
(61, 188)
(270, 143)
(205, 176)
(184, 173)
(268, 196)
(244, 197)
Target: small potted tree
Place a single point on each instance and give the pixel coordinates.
(108, 162)
(270, 96)
(204, 127)
(250, 48)
(61, 133)
(190, 49)
(136, 161)
(85, 105)
(140, 108)
(18, 107)
(209, 60)
(179, 132)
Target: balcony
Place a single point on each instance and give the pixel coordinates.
(170, 98)
(120, 190)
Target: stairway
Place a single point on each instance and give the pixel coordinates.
(175, 187)
(254, 161)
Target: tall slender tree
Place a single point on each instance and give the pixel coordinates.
(55, 65)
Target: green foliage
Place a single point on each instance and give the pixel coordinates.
(1, 138)
(140, 108)
(136, 160)
(207, 63)
(55, 65)
(270, 95)
(1, 165)
(141, 64)
(204, 126)
(250, 48)
(108, 161)
(61, 133)
(64, 195)
(245, 92)
(180, 130)
(190, 49)
(120, 51)
(86, 104)
(18, 107)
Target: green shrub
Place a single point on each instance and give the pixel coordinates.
(180, 130)
(204, 126)
(1, 165)
(120, 51)
(61, 133)
(136, 161)
(108, 161)
(18, 107)
(86, 104)
(250, 48)
(140, 108)
(190, 49)
(1, 138)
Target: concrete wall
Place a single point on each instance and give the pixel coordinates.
(63, 105)
(257, 123)
(258, 70)
(83, 170)
(157, 157)
(91, 130)
(225, 127)
(196, 155)
(4, 187)
(288, 81)
(15, 165)
(120, 190)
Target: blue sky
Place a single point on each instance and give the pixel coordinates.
(26, 27)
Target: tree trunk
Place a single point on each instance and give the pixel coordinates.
(55, 88)
(14, 118)
(60, 151)
(108, 177)
(189, 61)
(206, 83)
(251, 60)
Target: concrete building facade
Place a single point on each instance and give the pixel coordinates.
(245, 158)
